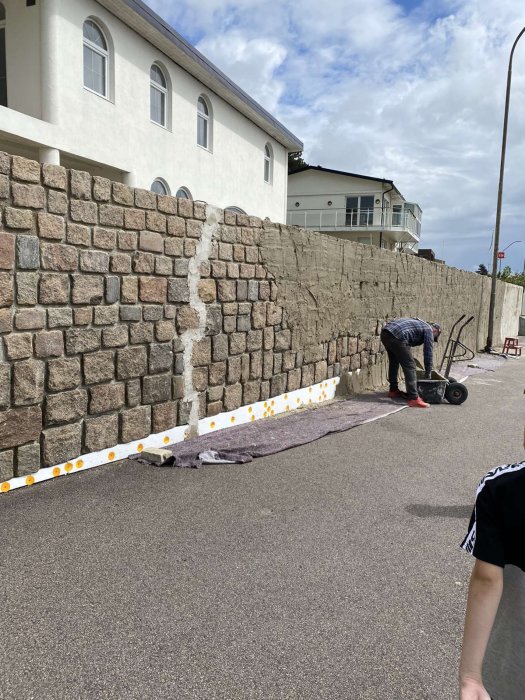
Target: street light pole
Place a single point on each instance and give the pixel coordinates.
(490, 332)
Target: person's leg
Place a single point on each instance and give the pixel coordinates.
(408, 365)
(389, 343)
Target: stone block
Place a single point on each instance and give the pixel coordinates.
(130, 313)
(105, 238)
(178, 290)
(256, 365)
(246, 271)
(18, 346)
(207, 290)
(229, 324)
(94, 261)
(155, 221)
(132, 362)
(153, 289)
(51, 226)
(80, 184)
(156, 455)
(234, 370)
(100, 433)
(217, 373)
(54, 176)
(225, 251)
(98, 367)
(122, 194)
(176, 226)
(160, 358)
(167, 204)
(49, 344)
(7, 251)
(27, 288)
(185, 207)
(232, 270)
(87, 289)
(184, 412)
(30, 319)
(19, 426)
(141, 333)
(164, 330)
(20, 219)
(283, 340)
(218, 269)
(127, 240)
(156, 389)
(244, 324)
(214, 408)
(6, 289)
(174, 246)
(134, 219)
(59, 257)
(252, 254)
(201, 354)
(144, 199)
(29, 196)
(101, 189)
(57, 202)
(28, 459)
(220, 348)
(27, 252)
(251, 392)
(104, 398)
(254, 340)
(66, 407)
(163, 265)
(144, 262)
(194, 229)
(179, 364)
(259, 315)
(112, 288)
(5, 385)
(115, 337)
(190, 248)
(63, 373)
(164, 416)
(83, 316)
(6, 465)
(120, 262)
(178, 387)
(133, 393)
(237, 343)
(83, 212)
(232, 397)
(130, 290)
(215, 393)
(278, 384)
(4, 187)
(80, 340)
(294, 379)
(53, 289)
(200, 378)
(6, 320)
(135, 423)
(226, 290)
(105, 315)
(268, 364)
(111, 215)
(242, 290)
(152, 313)
(213, 320)
(62, 444)
(78, 235)
(289, 359)
(28, 382)
(181, 267)
(5, 163)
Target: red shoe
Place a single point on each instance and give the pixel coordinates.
(397, 394)
(418, 403)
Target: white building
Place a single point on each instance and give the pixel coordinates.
(108, 87)
(365, 209)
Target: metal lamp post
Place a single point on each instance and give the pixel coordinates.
(488, 346)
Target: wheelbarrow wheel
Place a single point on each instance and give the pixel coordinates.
(456, 393)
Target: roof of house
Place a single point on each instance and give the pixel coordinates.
(318, 168)
(154, 29)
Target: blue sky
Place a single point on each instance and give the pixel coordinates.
(410, 91)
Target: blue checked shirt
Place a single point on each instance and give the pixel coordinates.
(414, 332)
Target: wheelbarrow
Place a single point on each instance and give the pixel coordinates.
(441, 385)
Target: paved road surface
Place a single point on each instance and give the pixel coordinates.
(331, 571)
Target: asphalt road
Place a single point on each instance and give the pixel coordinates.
(328, 571)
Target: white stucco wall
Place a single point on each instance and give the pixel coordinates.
(23, 57)
(118, 133)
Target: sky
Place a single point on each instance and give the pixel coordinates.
(408, 90)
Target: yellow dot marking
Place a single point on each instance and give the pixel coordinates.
(5, 487)
(68, 467)
(232, 419)
(309, 388)
(212, 424)
(266, 404)
(250, 409)
(335, 382)
(79, 463)
(56, 471)
(273, 403)
(272, 412)
(286, 397)
(166, 440)
(287, 408)
(30, 480)
(309, 400)
(298, 400)
(140, 447)
(253, 418)
(265, 415)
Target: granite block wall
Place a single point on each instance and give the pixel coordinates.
(124, 313)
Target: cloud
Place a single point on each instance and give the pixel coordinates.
(411, 91)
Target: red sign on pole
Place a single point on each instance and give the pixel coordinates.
(501, 255)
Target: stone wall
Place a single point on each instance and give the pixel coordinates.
(124, 313)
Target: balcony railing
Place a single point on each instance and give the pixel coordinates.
(371, 220)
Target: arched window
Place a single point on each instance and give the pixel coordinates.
(268, 163)
(204, 123)
(158, 95)
(183, 193)
(160, 186)
(236, 210)
(3, 63)
(96, 58)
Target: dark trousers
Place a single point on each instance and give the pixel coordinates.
(399, 353)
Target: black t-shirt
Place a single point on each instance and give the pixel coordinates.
(496, 532)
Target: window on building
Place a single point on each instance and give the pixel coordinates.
(3, 63)
(268, 163)
(158, 95)
(96, 57)
(160, 186)
(183, 193)
(360, 210)
(204, 123)
(237, 210)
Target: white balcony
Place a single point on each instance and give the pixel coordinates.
(397, 224)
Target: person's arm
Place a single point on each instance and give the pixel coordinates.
(428, 348)
(486, 585)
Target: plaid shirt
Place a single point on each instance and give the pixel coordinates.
(414, 332)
